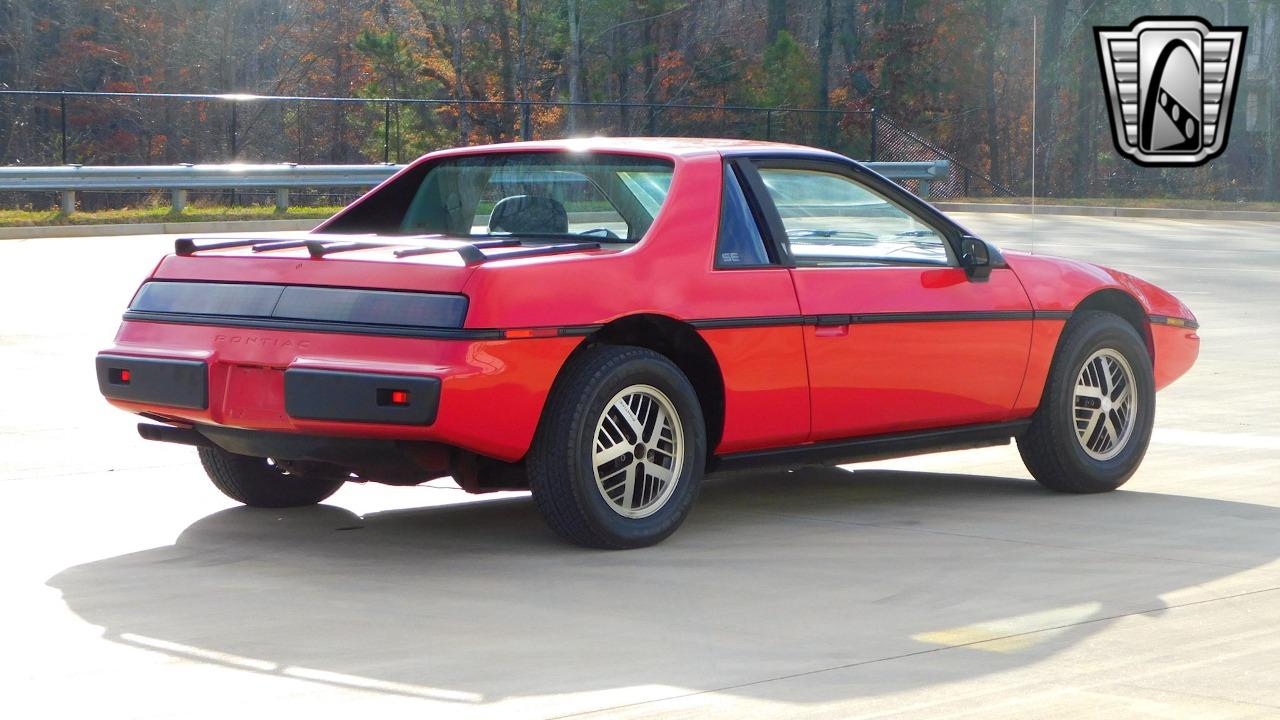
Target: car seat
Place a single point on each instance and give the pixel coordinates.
(529, 214)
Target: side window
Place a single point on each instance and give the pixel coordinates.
(831, 219)
(740, 243)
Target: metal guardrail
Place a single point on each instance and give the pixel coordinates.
(924, 173)
(179, 179)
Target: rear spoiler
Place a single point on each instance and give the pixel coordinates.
(471, 252)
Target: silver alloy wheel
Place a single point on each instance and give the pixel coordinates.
(1105, 404)
(638, 451)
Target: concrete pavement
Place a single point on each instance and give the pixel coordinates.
(939, 586)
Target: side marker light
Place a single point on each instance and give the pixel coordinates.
(531, 333)
(394, 398)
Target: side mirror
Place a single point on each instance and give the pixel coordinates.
(975, 258)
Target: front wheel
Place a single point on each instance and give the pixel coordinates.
(618, 458)
(1094, 422)
(257, 482)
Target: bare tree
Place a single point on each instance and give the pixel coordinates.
(993, 17)
(1047, 91)
(457, 30)
(826, 36)
(575, 65)
(775, 20)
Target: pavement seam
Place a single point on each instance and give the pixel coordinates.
(1011, 541)
(96, 471)
(1202, 696)
(927, 651)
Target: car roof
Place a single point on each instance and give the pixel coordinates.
(671, 146)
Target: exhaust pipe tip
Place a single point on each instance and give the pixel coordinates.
(166, 433)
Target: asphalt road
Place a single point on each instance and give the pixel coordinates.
(942, 586)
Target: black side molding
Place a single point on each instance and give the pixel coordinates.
(877, 447)
(155, 381)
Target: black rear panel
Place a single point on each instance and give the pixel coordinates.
(155, 381)
(361, 397)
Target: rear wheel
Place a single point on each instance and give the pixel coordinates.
(1094, 422)
(258, 482)
(618, 458)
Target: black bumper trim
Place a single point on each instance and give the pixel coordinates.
(154, 381)
(360, 397)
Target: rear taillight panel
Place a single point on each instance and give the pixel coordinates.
(343, 306)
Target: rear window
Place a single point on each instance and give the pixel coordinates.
(611, 198)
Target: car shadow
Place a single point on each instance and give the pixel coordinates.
(773, 575)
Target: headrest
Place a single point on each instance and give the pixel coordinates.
(529, 214)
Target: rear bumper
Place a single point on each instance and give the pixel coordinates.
(484, 396)
(309, 394)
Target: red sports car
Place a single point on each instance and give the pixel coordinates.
(605, 321)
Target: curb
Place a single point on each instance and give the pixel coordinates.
(1117, 212)
(168, 228)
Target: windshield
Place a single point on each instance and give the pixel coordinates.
(610, 198)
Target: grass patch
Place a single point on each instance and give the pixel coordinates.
(1171, 203)
(36, 218)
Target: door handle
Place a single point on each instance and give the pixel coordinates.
(832, 325)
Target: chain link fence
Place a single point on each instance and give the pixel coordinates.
(895, 143)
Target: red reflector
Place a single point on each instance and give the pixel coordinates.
(124, 376)
(531, 333)
(399, 397)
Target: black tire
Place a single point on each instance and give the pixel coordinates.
(559, 463)
(257, 483)
(1050, 447)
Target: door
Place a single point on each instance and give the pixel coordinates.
(899, 337)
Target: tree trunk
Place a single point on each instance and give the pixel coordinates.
(893, 11)
(649, 40)
(522, 70)
(851, 44)
(623, 75)
(1082, 131)
(459, 77)
(775, 20)
(338, 146)
(575, 69)
(826, 35)
(898, 56)
(989, 60)
(1046, 93)
(506, 68)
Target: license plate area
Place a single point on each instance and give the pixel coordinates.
(254, 395)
